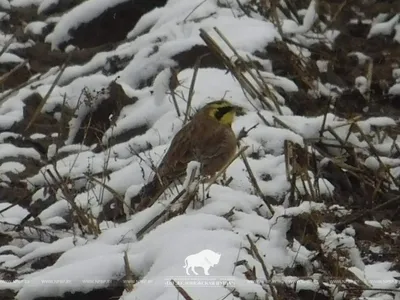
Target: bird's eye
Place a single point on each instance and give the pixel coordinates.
(221, 111)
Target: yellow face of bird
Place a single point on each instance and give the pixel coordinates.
(223, 111)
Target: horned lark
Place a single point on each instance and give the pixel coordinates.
(208, 138)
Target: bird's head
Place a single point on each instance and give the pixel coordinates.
(223, 111)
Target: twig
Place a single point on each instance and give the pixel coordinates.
(43, 102)
(128, 274)
(110, 189)
(142, 231)
(193, 10)
(15, 69)
(369, 79)
(172, 87)
(244, 82)
(181, 291)
(254, 249)
(283, 124)
(4, 97)
(342, 225)
(215, 177)
(253, 181)
(6, 45)
(339, 139)
(375, 153)
(321, 132)
(339, 10)
(191, 90)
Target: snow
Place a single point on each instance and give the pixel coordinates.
(46, 4)
(361, 84)
(384, 28)
(10, 58)
(395, 89)
(35, 27)
(373, 224)
(5, 4)
(4, 16)
(24, 3)
(9, 150)
(46, 249)
(362, 58)
(13, 167)
(12, 215)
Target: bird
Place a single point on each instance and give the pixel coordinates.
(207, 138)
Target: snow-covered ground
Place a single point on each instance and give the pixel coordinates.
(232, 220)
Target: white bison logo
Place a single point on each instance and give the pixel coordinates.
(204, 259)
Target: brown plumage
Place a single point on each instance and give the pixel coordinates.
(208, 138)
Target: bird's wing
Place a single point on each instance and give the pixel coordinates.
(224, 146)
(179, 154)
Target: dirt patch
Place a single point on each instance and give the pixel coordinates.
(41, 58)
(305, 229)
(44, 123)
(12, 76)
(45, 261)
(188, 58)
(98, 121)
(112, 25)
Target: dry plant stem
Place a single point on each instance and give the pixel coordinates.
(338, 138)
(142, 231)
(376, 191)
(254, 249)
(258, 256)
(156, 198)
(375, 153)
(339, 10)
(30, 194)
(215, 177)
(342, 225)
(128, 283)
(254, 183)
(350, 121)
(283, 124)
(264, 86)
(396, 146)
(191, 91)
(193, 10)
(288, 152)
(43, 102)
(62, 124)
(369, 79)
(173, 96)
(84, 219)
(181, 291)
(244, 82)
(263, 119)
(259, 95)
(111, 190)
(15, 69)
(312, 191)
(6, 45)
(17, 88)
(293, 10)
(276, 17)
(348, 133)
(321, 131)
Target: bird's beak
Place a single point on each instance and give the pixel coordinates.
(240, 111)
